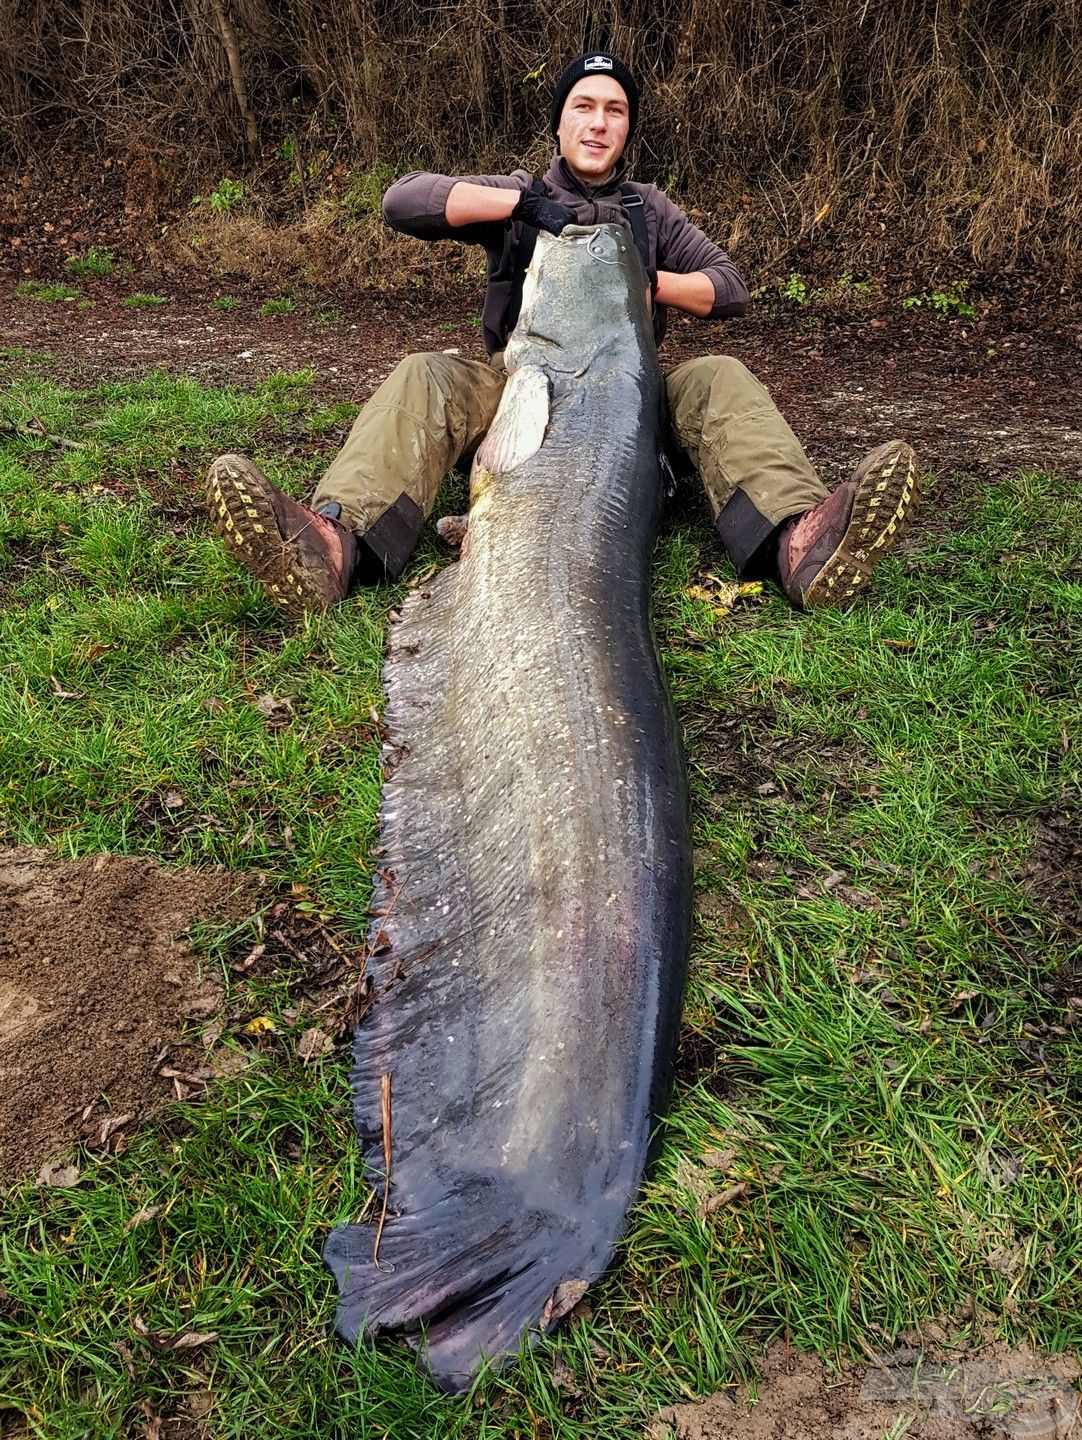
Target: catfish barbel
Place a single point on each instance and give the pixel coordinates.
(532, 904)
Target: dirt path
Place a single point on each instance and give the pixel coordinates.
(986, 397)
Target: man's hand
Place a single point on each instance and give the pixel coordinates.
(540, 211)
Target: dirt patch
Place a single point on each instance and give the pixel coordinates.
(1053, 872)
(96, 989)
(931, 1393)
(986, 397)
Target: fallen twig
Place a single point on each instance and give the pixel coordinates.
(35, 430)
(385, 1117)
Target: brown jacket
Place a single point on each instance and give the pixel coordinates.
(417, 203)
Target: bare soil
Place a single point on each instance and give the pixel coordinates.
(99, 996)
(925, 1391)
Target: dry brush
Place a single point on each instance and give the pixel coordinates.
(869, 133)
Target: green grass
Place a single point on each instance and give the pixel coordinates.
(282, 305)
(140, 301)
(876, 1041)
(95, 261)
(39, 290)
(224, 302)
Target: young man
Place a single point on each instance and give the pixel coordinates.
(771, 511)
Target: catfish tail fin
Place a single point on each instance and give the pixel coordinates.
(463, 1282)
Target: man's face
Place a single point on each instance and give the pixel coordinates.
(593, 127)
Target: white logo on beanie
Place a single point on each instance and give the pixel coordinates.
(597, 62)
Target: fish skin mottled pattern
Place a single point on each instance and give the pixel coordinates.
(533, 894)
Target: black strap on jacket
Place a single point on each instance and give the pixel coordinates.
(636, 217)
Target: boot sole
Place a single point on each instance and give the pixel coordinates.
(243, 515)
(885, 498)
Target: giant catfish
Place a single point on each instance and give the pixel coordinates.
(532, 900)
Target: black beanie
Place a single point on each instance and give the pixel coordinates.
(596, 63)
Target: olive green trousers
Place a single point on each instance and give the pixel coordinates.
(434, 408)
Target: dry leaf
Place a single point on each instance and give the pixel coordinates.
(212, 1034)
(162, 1340)
(124, 1351)
(313, 1045)
(723, 596)
(58, 1174)
(962, 997)
(200, 1403)
(278, 713)
(201, 1008)
(152, 1430)
(148, 1212)
(563, 1377)
(562, 1301)
(718, 1159)
(192, 1339)
(692, 1179)
(715, 1202)
(189, 1078)
(60, 694)
(254, 954)
(111, 1126)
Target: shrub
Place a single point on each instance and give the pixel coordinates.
(948, 303)
(227, 195)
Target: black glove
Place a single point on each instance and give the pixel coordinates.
(543, 213)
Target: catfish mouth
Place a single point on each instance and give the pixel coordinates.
(601, 242)
(552, 318)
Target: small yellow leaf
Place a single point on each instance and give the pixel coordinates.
(261, 1025)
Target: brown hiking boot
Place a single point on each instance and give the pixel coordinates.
(826, 555)
(303, 560)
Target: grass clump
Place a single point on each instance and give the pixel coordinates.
(877, 1048)
(140, 301)
(797, 291)
(363, 197)
(224, 302)
(39, 290)
(280, 305)
(94, 262)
